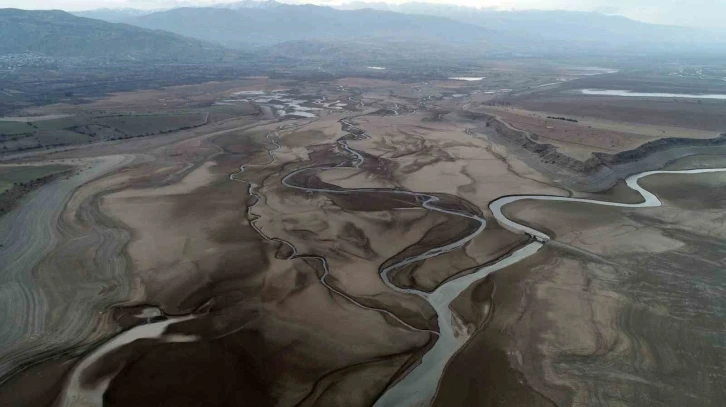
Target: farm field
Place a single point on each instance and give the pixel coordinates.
(21, 174)
(91, 128)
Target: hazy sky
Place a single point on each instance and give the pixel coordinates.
(710, 13)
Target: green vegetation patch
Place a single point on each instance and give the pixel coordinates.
(18, 142)
(61, 123)
(85, 128)
(11, 128)
(60, 137)
(10, 176)
(235, 109)
(134, 126)
(98, 132)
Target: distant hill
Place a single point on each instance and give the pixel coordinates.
(249, 27)
(259, 4)
(252, 24)
(114, 15)
(119, 15)
(591, 29)
(60, 34)
(355, 54)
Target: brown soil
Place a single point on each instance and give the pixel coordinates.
(38, 385)
(686, 114)
(616, 309)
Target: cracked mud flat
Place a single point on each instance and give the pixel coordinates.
(348, 259)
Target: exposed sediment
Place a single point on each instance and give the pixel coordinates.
(310, 293)
(35, 300)
(602, 170)
(624, 310)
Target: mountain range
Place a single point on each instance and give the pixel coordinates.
(252, 27)
(59, 34)
(114, 15)
(568, 26)
(269, 29)
(266, 22)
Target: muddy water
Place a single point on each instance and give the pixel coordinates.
(630, 93)
(78, 394)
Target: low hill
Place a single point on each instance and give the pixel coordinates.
(60, 34)
(591, 30)
(251, 24)
(113, 15)
(246, 27)
(249, 4)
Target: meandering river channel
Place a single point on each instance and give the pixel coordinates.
(419, 386)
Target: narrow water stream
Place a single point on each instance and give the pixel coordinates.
(420, 384)
(76, 393)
